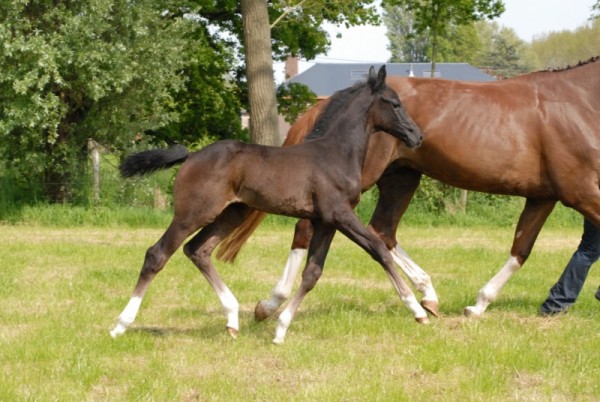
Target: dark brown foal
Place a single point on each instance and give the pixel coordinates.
(319, 180)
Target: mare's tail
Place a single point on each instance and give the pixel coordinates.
(231, 245)
(150, 161)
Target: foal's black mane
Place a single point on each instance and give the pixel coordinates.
(336, 102)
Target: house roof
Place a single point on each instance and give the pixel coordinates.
(326, 78)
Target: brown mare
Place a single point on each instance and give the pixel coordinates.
(535, 136)
(319, 180)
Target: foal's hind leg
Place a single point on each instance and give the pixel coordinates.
(530, 223)
(200, 249)
(283, 289)
(155, 260)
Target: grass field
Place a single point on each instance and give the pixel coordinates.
(352, 340)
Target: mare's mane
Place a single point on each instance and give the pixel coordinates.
(336, 102)
(569, 67)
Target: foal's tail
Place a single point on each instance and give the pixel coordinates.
(231, 245)
(150, 161)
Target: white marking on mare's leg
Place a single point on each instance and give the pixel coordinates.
(408, 297)
(127, 316)
(283, 289)
(419, 278)
(490, 291)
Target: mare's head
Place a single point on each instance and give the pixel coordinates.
(387, 113)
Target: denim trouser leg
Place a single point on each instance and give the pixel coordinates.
(565, 291)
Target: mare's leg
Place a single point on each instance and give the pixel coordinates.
(530, 223)
(350, 225)
(319, 246)
(397, 187)
(155, 260)
(199, 249)
(283, 289)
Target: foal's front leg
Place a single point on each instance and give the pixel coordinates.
(397, 187)
(351, 226)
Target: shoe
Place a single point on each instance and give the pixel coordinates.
(550, 313)
(598, 294)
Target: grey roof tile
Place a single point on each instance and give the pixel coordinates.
(326, 78)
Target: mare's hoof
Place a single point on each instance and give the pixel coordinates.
(233, 332)
(471, 312)
(422, 320)
(431, 307)
(259, 312)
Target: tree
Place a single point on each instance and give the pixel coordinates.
(436, 16)
(595, 10)
(406, 44)
(264, 121)
(296, 30)
(503, 54)
(77, 70)
(460, 43)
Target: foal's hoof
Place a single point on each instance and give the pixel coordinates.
(422, 320)
(233, 332)
(431, 307)
(259, 312)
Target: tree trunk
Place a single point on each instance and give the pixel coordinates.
(264, 122)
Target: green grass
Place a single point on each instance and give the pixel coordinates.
(62, 289)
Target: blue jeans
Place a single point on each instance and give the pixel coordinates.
(565, 291)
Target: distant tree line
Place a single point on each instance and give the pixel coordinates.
(485, 44)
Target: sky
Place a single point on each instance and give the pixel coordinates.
(529, 18)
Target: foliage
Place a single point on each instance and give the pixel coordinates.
(297, 25)
(459, 43)
(77, 70)
(406, 44)
(563, 48)
(210, 103)
(595, 10)
(113, 71)
(436, 16)
(294, 99)
(502, 53)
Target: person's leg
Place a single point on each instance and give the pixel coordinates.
(565, 291)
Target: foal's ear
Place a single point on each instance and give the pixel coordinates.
(372, 77)
(377, 81)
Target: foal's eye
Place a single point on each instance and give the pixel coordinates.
(395, 103)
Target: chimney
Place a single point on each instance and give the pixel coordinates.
(291, 67)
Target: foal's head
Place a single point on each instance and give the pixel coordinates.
(387, 113)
